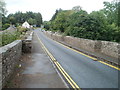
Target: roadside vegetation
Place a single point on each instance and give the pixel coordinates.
(8, 37)
(17, 19)
(98, 25)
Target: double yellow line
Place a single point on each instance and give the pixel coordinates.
(63, 72)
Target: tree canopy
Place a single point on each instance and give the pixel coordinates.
(19, 18)
(98, 25)
(2, 7)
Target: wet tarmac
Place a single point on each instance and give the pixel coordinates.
(37, 71)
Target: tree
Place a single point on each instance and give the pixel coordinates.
(5, 26)
(98, 25)
(111, 11)
(2, 7)
(61, 21)
(56, 13)
(46, 25)
(19, 18)
(31, 21)
(118, 14)
(3, 11)
(54, 16)
(38, 18)
(12, 20)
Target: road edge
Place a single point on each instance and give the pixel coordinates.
(60, 70)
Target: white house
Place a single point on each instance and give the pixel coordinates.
(26, 25)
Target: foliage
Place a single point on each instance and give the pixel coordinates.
(2, 7)
(31, 21)
(19, 18)
(118, 20)
(22, 30)
(5, 26)
(9, 37)
(56, 13)
(111, 11)
(60, 22)
(3, 11)
(98, 25)
(38, 18)
(46, 25)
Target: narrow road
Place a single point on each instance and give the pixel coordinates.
(83, 70)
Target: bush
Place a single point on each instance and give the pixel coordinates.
(5, 26)
(8, 37)
(22, 30)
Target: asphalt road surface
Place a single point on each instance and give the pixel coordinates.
(83, 70)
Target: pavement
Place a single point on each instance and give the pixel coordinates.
(37, 71)
(86, 72)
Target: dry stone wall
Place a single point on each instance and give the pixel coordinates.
(111, 49)
(27, 44)
(10, 55)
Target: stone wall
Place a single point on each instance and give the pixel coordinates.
(27, 44)
(10, 55)
(0, 71)
(111, 49)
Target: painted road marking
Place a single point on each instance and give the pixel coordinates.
(76, 51)
(109, 65)
(68, 75)
(60, 68)
(95, 59)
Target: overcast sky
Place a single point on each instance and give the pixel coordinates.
(47, 7)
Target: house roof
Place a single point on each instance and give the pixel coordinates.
(26, 23)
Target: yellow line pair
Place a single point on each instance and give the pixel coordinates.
(67, 77)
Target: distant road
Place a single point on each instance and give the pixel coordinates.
(83, 70)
